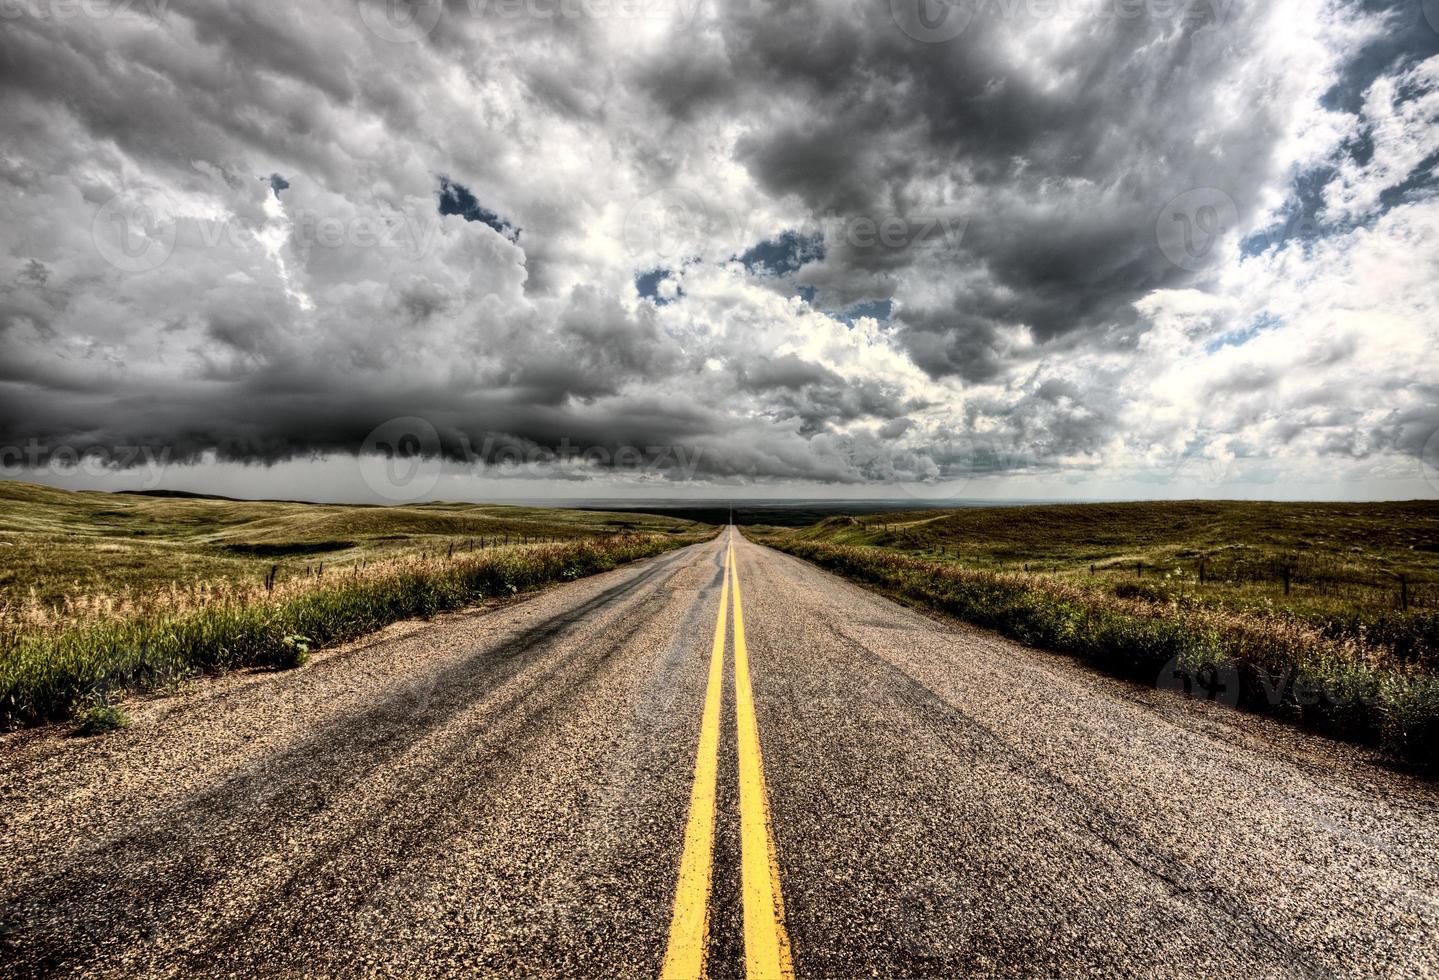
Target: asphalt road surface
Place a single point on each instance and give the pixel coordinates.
(584, 782)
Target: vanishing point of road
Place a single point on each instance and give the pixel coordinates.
(720, 761)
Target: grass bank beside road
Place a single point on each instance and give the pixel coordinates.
(79, 651)
(66, 555)
(48, 675)
(1343, 676)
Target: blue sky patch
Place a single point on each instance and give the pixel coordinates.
(782, 255)
(1424, 177)
(1410, 42)
(879, 309)
(648, 285)
(455, 198)
(1238, 338)
(1299, 218)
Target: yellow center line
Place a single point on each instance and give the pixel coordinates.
(766, 944)
(689, 922)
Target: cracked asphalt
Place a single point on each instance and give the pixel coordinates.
(504, 792)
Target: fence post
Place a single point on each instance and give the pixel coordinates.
(1286, 579)
(1404, 592)
(1139, 569)
(1201, 571)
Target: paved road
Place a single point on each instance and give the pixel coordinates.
(521, 790)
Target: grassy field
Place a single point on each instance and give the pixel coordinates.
(1324, 614)
(1324, 562)
(101, 594)
(65, 551)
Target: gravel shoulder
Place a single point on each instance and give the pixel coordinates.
(495, 792)
(950, 802)
(503, 792)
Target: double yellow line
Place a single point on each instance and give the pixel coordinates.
(766, 944)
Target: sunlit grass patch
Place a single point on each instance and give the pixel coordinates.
(1350, 686)
(47, 672)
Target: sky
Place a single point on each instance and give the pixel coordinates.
(388, 251)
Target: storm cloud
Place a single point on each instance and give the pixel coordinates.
(906, 242)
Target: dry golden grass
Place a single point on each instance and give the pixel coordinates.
(1348, 683)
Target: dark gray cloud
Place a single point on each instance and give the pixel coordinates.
(793, 236)
(1059, 167)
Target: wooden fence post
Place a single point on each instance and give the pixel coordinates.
(1404, 592)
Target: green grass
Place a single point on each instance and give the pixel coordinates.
(1348, 663)
(87, 649)
(57, 544)
(101, 718)
(1344, 562)
(1235, 538)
